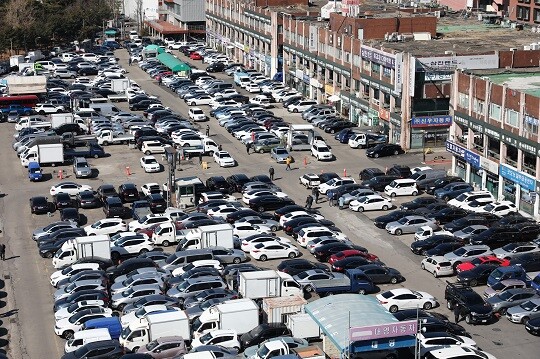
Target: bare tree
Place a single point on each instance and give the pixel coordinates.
(139, 12)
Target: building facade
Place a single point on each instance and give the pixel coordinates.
(181, 20)
(525, 11)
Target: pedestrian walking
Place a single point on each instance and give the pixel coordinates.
(129, 61)
(315, 194)
(248, 147)
(271, 173)
(3, 251)
(309, 202)
(207, 130)
(219, 147)
(159, 80)
(331, 200)
(288, 162)
(200, 158)
(457, 312)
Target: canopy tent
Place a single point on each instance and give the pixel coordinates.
(173, 63)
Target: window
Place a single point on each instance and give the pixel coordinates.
(512, 117)
(386, 72)
(478, 106)
(530, 124)
(366, 65)
(463, 100)
(537, 13)
(495, 111)
(523, 13)
(376, 68)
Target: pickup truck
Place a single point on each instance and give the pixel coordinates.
(94, 151)
(473, 306)
(108, 137)
(21, 110)
(354, 281)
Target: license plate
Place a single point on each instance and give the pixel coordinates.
(484, 321)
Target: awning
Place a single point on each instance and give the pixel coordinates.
(154, 48)
(172, 62)
(334, 98)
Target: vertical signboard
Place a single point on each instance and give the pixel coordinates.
(398, 73)
(412, 75)
(313, 38)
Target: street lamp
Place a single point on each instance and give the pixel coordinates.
(170, 156)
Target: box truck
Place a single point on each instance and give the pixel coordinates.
(267, 283)
(241, 315)
(46, 154)
(154, 326)
(303, 326)
(58, 119)
(15, 60)
(217, 235)
(277, 309)
(82, 247)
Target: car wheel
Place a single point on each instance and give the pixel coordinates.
(96, 156)
(524, 320)
(292, 255)
(263, 258)
(502, 311)
(394, 309)
(449, 305)
(393, 194)
(473, 283)
(105, 143)
(273, 228)
(68, 334)
(427, 305)
(393, 280)
(362, 291)
(237, 260)
(135, 349)
(396, 153)
(376, 155)
(385, 208)
(398, 232)
(360, 209)
(415, 193)
(148, 153)
(468, 319)
(142, 251)
(165, 243)
(192, 104)
(261, 209)
(49, 255)
(261, 151)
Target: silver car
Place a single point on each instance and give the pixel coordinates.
(162, 272)
(307, 279)
(256, 220)
(120, 300)
(467, 232)
(502, 286)
(79, 286)
(45, 231)
(228, 256)
(467, 254)
(525, 311)
(194, 286)
(409, 224)
(279, 154)
(513, 250)
(153, 278)
(347, 198)
(501, 302)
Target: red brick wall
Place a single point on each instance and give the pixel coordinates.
(479, 88)
(532, 105)
(496, 94)
(463, 83)
(521, 58)
(454, 4)
(280, 2)
(512, 99)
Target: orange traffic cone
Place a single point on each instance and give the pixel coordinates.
(128, 171)
(344, 172)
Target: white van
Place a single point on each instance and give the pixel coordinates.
(401, 187)
(84, 337)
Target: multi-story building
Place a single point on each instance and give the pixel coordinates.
(525, 11)
(494, 138)
(178, 19)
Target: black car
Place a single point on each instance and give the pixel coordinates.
(447, 215)
(239, 98)
(381, 274)
(128, 193)
(327, 176)
(290, 226)
(68, 128)
(291, 208)
(270, 202)
(528, 231)
(113, 207)
(325, 251)
(157, 202)
(382, 221)
(533, 326)
(529, 261)
(295, 266)
(477, 275)
(60, 234)
(443, 248)
(106, 190)
(349, 263)
(64, 200)
(496, 237)
(420, 247)
(216, 67)
(145, 132)
(369, 173)
(431, 325)
(86, 71)
(469, 220)
(70, 214)
(103, 349)
(431, 186)
(263, 332)
(40, 205)
(386, 149)
(129, 265)
(87, 199)
(378, 183)
(87, 294)
(213, 203)
(236, 181)
(401, 171)
(418, 203)
(218, 183)
(338, 126)
(431, 208)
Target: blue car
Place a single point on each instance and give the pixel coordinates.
(34, 172)
(344, 135)
(452, 190)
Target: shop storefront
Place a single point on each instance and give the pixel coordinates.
(521, 187)
(430, 131)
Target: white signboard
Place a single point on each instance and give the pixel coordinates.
(313, 38)
(398, 73)
(467, 62)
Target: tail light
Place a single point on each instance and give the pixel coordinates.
(255, 251)
(383, 302)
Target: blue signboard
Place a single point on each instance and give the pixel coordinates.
(455, 149)
(472, 158)
(382, 343)
(431, 121)
(524, 180)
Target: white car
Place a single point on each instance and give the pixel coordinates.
(222, 211)
(73, 269)
(147, 221)
(65, 327)
(468, 197)
(501, 209)
(223, 337)
(131, 245)
(225, 93)
(203, 263)
(477, 205)
(200, 100)
(434, 341)
(143, 311)
(242, 230)
(456, 352)
(334, 183)
(246, 197)
(197, 114)
(46, 108)
(307, 234)
(150, 164)
(150, 147)
(188, 139)
(76, 307)
(224, 159)
(321, 151)
(273, 250)
(294, 214)
(437, 265)
(373, 202)
(106, 226)
(301, 106)
(150, 188)
(403, 298)
(249, 243)
(253, 88)
(70, 188)
(310, 180)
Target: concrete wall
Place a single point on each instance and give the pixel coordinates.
(149, 8)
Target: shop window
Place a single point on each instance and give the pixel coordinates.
(375, 68)
(511, 155)
(529, 164)
(530, 124)
(463, 100)
(386, 72)
(494, 148)
(366, 65)
(537, 12)
(376, 96)
(495, 111)
(523, 13)
(478, 106)
(512, 117)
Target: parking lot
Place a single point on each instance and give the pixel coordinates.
(32, 334)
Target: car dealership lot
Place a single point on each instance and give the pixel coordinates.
(30, 273)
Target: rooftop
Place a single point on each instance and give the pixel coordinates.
(523, 80)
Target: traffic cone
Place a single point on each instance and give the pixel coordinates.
(305, 161)
(128, 171)
(344, 172)
(60, 174)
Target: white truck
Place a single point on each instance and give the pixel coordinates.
(275, 348)
(119, 86)
(242, 315)
(33, 56)
(277, 309)
(267, 283)
(16, 60)
(45, 154)
(167, 233)
(58, 119)
(26, 85)
(154, 326)
(303, 326)
(82, 247)
(217, 235)
(108, 137)
(364, 140)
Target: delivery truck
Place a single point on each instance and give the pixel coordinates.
(217, 235)
(303, 326)
(277, 309)
(153, 326)
(58, 119)
(169, 232)
(108, 137)
(267, 283)
(82, 247)
(241, 315)
(46, 154)
(15, 61)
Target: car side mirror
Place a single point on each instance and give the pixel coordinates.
(157, 351)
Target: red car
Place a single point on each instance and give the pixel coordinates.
(482, 260)
(195, 56)
(351, 253)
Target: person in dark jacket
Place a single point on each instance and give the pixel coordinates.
(309, 202)
(315, 194)
(271, 173)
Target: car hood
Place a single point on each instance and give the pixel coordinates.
(517, 310)
(394, 224)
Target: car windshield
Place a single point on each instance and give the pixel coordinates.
(150, 346)
(505, 295)
(468, 230)
(403, 220)
(182, 287)
(461, 197)
(140, 312)
(510, 247)
(86, 196)
(460, 251)
(489, 207)
(281, 151)
(498, 286)
(128, 292)
(302, 275)
(528, 306)
(73, 307)
(206, 338)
